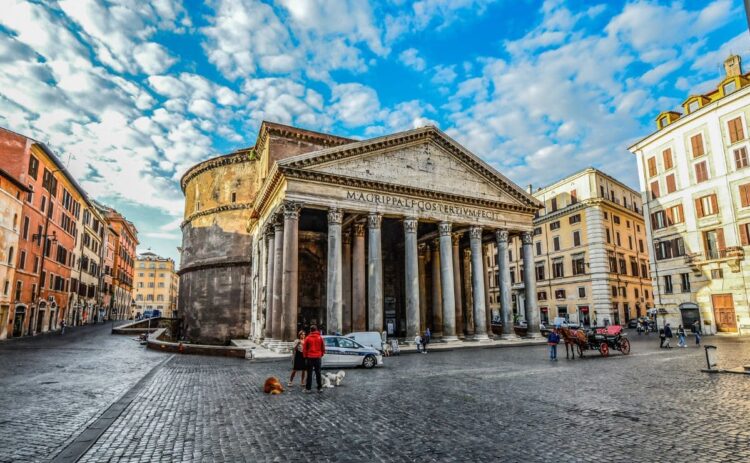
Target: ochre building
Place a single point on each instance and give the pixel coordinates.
(308, 228)
(154, 285)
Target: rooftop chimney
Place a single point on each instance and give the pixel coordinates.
(733, 66)
(529, 188)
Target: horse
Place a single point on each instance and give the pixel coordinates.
(573, 339)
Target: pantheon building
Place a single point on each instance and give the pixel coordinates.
(386, 234)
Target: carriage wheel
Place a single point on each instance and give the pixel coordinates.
(604, 349)
(625, 346)
(580, 350)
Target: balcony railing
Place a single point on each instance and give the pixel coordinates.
(733, 254)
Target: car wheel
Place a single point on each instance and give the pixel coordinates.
(369, 361)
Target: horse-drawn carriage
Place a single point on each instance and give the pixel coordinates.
(600, 339)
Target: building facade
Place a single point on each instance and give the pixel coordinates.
(695, 184)
(125, 239)
(11, 207)
(155, 285)
(309, 228)
(590, 253)
(87, 302)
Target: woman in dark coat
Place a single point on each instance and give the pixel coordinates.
(298, 360)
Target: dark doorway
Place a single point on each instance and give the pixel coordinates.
(18, 321)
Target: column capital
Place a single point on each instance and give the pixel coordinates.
(374, 219)
(423, 249)
(501, 236)
(346, 237)
(527, 237)
(445, 228)
(291, 209)
(467, 253)
(278, 225)
(475, 232)
(334, 216)
(410, 225)
(268, 230)
(359, 229)
(456, 237)
(436, 244)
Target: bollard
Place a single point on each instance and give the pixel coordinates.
(711, 361)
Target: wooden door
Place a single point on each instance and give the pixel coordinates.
(726, 321)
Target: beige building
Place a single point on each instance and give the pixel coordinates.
(10, 223)
(155, 285)
(590, 256)
(695, 184)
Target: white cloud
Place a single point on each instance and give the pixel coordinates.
(152, 58)
(354, 104)
(410, 57)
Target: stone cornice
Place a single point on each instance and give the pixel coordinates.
(245, 155)
(215, 210)
(342, 180)
(218, 264)
(423, 134)
(287, 131)
(583, 205)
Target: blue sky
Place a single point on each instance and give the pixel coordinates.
(132, 93)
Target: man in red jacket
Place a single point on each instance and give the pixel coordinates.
(313, 349)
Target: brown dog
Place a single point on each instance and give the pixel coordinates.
(273, 386)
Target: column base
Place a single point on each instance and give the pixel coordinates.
(449, 338)
(533, 336)
(481, 338)
(282, 347)
(509, 337)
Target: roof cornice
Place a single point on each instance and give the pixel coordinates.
(245, 155)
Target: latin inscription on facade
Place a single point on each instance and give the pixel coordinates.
(421, 205)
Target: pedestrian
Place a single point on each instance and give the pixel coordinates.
(62, 327)
(681, 336)
(697, 329)
(667, 336)
(418, 342)
(298, 360)
(662, 338)
(553, 339)
(426, 340)
(313, 349)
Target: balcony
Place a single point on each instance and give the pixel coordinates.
(732, 255)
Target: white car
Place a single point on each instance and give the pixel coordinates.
(345, 352)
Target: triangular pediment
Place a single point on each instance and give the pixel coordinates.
(424, 159)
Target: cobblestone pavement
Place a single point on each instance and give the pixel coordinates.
(53, 386)
(507, 404)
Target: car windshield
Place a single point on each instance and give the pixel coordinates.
(331, 342)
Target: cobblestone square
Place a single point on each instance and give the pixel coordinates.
(502, 404)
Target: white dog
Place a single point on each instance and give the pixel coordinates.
(333, 379)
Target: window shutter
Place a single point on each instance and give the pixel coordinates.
(671, 186)
(698, 207)
(745, 195)
(670, 218)
(720, 239)
(744, 239)
(653, 222)
(682, 213)
(735, 130)
(667, 157)
(697, 144)
(651, 167)
(714, 205)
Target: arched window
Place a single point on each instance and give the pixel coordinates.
(10, 256)
(15, 221)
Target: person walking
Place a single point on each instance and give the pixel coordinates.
(426, 340)
(418, 342)
(313, 349)
(662, 338)
(298, 360)
(697, 330)
(553, 339)
(681, 336)
(62, 327)
(667, 336)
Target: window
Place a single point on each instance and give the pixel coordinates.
(25, 231)
(706, 205)
(713, 243)
(559, 294)
(538, 248)
(139, 297)
(717, 274)
(668, 284)
(675, 214)
(655, 190)
(663, 122)
(579, 265)
(658, 220)
(541, 295)
(33, 167)
(740, 158)
(633, 266)
(685, 277)
(652, 167)
(640, 245)
(557, 269)
(693, 106)
(667, 157)
(582, 292)
(701, 172)
(609, 238)
(556, 243)
(730, 87)
(554, 225)
(623, 265)
(10, 256)
(575, 218)
(234, 197)
(554, 204)
(644, 270)
(671, 184)
(630, 242)
(617, 238)
(616, 219)
(539, 271)
(614, 291)
(22, 260)
(573, 196)
(635, 292)
(745, 234)
(696, 142)
(537, 231)
(19, 285)
(36, 264)
(736, 131)
(612, 263)
(745, 195)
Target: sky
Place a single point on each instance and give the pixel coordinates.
(130, 94)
